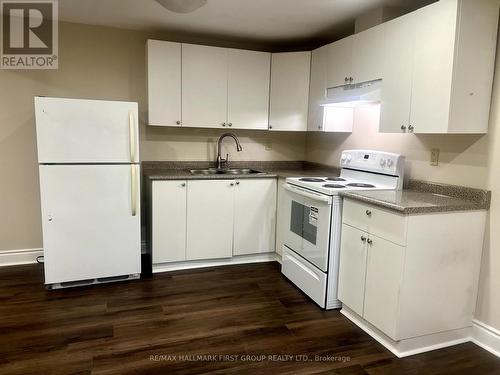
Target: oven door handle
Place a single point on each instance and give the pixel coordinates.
(317, 197)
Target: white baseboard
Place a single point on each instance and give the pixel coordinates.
(17, 257)
(242, 259)
(486, 337)
(415, 345)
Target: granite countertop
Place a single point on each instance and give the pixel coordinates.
(425, 197)
(180, 170)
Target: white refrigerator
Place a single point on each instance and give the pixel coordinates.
(88, 155)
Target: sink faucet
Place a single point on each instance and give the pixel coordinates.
(220, 161)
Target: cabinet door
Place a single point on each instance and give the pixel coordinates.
(204, 86)
(383, 281)
(397, 74)
(352, 268)
(169, 221)
(368, 53)
(289, 91)
(248, 89)
(281, 216)
(433, 67)
(317, 88)
(210, 208)
(164, 83)
(339, 62)
(254, 216)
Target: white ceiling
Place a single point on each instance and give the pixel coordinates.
(266, 22)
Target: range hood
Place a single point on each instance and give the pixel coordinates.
(353, 95)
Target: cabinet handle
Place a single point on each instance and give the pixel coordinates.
(351, 79)
(368, 213)
(183, 184)
(346, 79)
(178, 122)
(223, 124)
(230, 124)
(231, 184)
(237, 182)
(319, 127)
(270, 127)
(369, 241)
(410, 128)
(403, 127)
(363, 238)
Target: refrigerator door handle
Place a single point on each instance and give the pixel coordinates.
(131, 123)
(134, 189)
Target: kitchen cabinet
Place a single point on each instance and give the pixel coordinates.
(352, 268)
(397, 73)
(400, 274)
(289, 98)
(317, 88)
(367, 54)
(281, 216)
(248, 89)
(210, 210)
(357, 58)
(164, 83)
(212, 219)
(204, 86)
(254, 216)
(339, 68)
(454, 43)
(169, 200)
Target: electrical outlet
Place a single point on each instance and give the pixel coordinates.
(435, 156)
(269, 145)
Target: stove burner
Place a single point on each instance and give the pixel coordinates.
(335, 179)
(334, 186)
(360, 184)
(311, 179)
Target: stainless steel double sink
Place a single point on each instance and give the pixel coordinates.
(229, 171)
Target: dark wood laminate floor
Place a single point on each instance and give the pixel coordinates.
(246, 311)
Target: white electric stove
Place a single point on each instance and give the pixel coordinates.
(314, 215)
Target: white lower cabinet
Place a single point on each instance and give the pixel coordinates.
(212, 219)
(352, 268)
(384, 268)
(210, 206)
(169, 221)
(254, 216)
(410, 280)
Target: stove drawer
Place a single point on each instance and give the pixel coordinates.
(383, 223)
(305, 276)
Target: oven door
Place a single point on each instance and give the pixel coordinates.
(307, 226)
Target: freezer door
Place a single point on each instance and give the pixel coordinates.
(86, 131)
(90, 220)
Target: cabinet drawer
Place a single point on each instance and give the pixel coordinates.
(383, 223)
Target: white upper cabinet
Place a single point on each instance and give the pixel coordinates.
(398, 53)
(368, 54)
(289, 91)
(339, 68)
(248, 89)
(204, 86)
(451, 45)
(164, 83)
(317, 88)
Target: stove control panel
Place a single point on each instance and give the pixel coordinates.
(373, 161)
